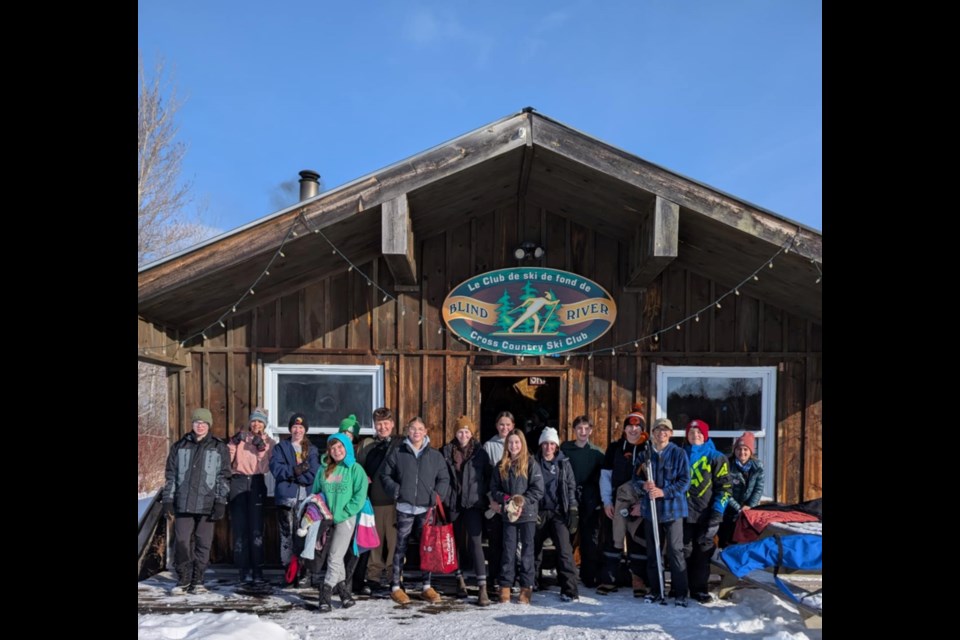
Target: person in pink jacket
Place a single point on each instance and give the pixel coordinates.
(250, 451)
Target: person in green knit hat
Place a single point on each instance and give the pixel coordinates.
(343, 484)
(350, 427)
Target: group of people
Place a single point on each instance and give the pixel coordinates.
(571, 493)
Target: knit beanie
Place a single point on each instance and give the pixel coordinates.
(746, 440)
(463, 422)
(549, 434)
(202, 415)
(259, 413)
(299, 418)
(702, 426)
(350, 424)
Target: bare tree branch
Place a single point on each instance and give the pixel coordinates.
(162, 223)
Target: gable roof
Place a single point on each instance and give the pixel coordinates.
(522, 157)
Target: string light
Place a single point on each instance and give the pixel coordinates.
(794, 241)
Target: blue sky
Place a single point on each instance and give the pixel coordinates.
(728, 93)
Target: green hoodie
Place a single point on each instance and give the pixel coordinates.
(346, 489)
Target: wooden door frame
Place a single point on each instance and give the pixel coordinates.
(473, 386)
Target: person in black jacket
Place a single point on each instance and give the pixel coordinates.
(415, 475)
(195, 493)
(559, 515)
(516, 488)
(469, 479)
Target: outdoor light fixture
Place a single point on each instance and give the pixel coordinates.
(528, 250)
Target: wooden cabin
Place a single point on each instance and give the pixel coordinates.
(334, 305)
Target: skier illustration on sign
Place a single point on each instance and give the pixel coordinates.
(534, 305)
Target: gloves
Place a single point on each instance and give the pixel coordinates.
(168, 509)
(219, 510)
(237, 438)
(259, 443)
(705, 542)
(573, 521)
(301, 469)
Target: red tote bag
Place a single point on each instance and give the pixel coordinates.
(438, 548)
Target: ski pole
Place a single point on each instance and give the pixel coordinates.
(656, 529)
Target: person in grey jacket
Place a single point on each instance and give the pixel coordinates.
(195, 493)
(559, 516)
(516, 488)
(415, 475)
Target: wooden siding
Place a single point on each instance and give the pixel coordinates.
(341, 320)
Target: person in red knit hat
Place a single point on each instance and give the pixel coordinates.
(746, 480)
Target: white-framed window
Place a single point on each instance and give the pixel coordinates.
(326, 394)
(730, 400)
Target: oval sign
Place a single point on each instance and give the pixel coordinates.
(529, 311)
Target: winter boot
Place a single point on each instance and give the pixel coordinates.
(605, 589)
(326, 591)
(461, 587)
(184, 575)
(196, 579)
(430, 594)
(399, 596)
(639, 587)
(526, 593)
(483, 600)
(346, 598)
(504, 594)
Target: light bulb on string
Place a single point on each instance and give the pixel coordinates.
(223, 325)
(590, 356)
(656, 337)
(265, 272)
(678, 327)
(756, 277)
(613, 351)
(636, 345)
(439, 331)
(369, 282)
(718, 306)
(384, 297)
(819, 279)
(350, 268)
(283, 255)
(770, 264)
(251, 292)
(736, 292)
(419, 322)
(697, 319)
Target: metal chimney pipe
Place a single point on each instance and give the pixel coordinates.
(309, 184)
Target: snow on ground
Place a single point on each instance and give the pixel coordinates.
(750, 613)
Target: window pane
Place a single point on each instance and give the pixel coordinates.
(726, 404)
(325, 399)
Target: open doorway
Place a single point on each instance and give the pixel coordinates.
(534, 402)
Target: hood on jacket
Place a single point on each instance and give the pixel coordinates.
(351, 457)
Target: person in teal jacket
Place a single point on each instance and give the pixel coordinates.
(343, 484)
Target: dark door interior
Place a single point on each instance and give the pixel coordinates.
(533, 405)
